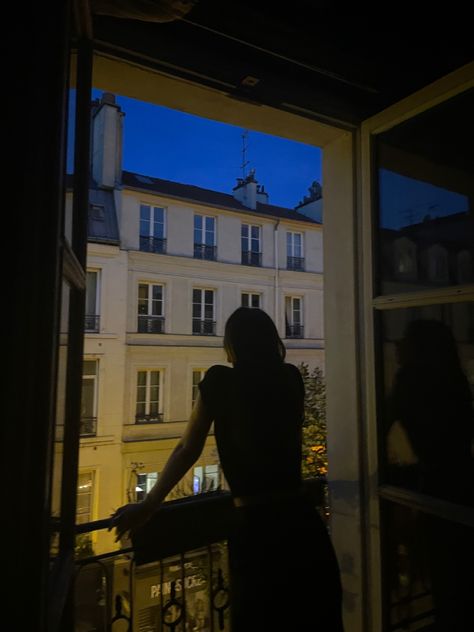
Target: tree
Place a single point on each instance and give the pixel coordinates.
(314, 462)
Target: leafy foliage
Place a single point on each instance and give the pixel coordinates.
(314, 462)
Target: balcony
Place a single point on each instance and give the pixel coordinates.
(153, 244)
(295, 263)
(151, 418)
(88, 427)
(151, 324)
(92, 323)
(202, 251)
(155, 581)
(204, 327)
(250, 258)
(294, 331)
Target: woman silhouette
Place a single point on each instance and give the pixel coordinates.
(283, 569)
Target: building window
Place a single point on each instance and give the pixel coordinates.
(204, 323)
(198, 375)
(251, 249)
(294, 317)
(85, 490)
(145, 482)
(92, 318)
(205, 237)
(151, 318)
(294, 251)
(206, 478)
(88, 426)
(250, 299)
(149, 408)
(152, 228)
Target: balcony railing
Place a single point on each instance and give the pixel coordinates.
(92, 323)
(250, 258)
(152, 244)
(294, 331)
(88, 427)
(295, 263)
(151, 324)
(153, 582)
(202, 251)
(152, 418)
(204, 327)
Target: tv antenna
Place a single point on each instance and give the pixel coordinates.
(245, 162)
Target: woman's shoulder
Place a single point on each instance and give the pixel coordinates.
(217, 373)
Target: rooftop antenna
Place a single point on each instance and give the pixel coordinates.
(245, 162)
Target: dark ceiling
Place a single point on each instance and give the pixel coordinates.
(337, 67)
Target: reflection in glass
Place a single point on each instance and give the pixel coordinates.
(58, 448)
(429, 571)
(428, 356)
(425, 214)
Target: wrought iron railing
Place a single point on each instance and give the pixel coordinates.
(203, 251)
(295, 263)
(152, 244)
(173, 575)
(250, 258)
(294, 331)
(88, 427)
(151, 418)
(92, 323)
(204, 327)
(151, 324)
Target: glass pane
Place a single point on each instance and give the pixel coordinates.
(198, 222)
(255, 300)
(210, 221)
(429, 571)
(60, 405)
(255, 232)
(245, 300)
(425, 219)
(144, 220)
(427, 419)
(91, 293)
(157, 292)
(245, 231)
(87, 398)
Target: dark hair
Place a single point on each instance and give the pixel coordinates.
(429, 343)
(251, 338)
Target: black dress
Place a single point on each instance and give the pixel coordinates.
(284, 572)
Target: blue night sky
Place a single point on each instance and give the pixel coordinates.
(168, 144)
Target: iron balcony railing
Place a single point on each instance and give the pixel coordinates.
(88, 427)
(151, 418)
(152, 244)
(204, 327)
(177, 562)
(295, 263)
(294, 331)
(151, 324)
(250, 258)
(202, 251)
(92, 323)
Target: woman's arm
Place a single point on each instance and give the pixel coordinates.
(183, 457)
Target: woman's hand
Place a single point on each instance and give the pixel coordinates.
(129, 518)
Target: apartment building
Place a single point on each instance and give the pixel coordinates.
(167, 263)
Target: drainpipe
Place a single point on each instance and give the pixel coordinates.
(276, 307)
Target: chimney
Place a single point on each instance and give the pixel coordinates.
(312, 204)
(107, 132)
(247, 191)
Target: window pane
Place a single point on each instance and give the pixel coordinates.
(245, 231)
(427, 419)
(91, 293)
(255, 300)
(198, 222)
(255, 232)
(429, 571)
(245, 300)
(425, 222)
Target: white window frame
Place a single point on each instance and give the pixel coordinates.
(203, 231)
(151, 221)
(250, 296)
(150, 285)
(290, 244)
(90, 515)
(97, 313)
(148, 387)
(249, 237)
